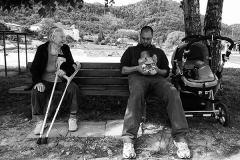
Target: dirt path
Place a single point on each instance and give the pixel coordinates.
(207, 140)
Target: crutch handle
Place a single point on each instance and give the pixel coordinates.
(67, 78)
(71, 77)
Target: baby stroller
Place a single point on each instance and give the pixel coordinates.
(193, 77)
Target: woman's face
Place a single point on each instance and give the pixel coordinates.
(59, 37)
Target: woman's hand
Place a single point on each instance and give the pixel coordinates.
(60, 73)
(78, 66)
(40, 87)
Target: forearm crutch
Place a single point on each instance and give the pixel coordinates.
(69, 79)
(47, 111)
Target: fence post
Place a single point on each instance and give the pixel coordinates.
(4, 53)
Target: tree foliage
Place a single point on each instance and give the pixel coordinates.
(164, 16)
(174, 39)
(47, 6)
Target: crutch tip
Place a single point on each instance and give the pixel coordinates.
(39, 141)
(44, 140)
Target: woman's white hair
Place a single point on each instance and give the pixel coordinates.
(52, 31)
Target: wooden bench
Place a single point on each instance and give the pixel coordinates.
(92, 79)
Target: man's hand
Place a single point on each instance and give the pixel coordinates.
(78, 66)
(40, 87)
(140, 69)
(60, 73)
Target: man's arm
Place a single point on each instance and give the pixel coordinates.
(128, 70)
(126, 67)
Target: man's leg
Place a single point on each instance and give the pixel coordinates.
(73, 94)
(138, 88)
(164, 89)
(38, 102)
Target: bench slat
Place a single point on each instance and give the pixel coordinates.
(95, 73)
(104, 80)
(99, 73)
(19, 89)
(90, 65)
(100, 81)
(85, 90)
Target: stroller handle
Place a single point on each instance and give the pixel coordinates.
(191, 37)
(228, 52)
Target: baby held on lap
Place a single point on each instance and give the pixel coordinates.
(148, 63)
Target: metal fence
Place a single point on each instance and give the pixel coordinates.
(4, 33)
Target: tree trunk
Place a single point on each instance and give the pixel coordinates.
(212, 26)
(192, 19)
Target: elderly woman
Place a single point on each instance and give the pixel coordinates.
(44, 70)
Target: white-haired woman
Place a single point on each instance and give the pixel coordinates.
(44, 69)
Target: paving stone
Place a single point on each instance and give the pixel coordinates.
(89, 129)
(114, 128)
(58, 130)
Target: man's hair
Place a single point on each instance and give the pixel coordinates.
(146, 29)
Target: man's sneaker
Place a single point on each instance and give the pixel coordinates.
(128, 150)
(182, 149)
(72, 122)
(38, 127)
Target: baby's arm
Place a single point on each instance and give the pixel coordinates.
(154, 58)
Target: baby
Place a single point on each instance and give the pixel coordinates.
(148, 63)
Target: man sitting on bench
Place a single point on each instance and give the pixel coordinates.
(142, 81)
(44, 70)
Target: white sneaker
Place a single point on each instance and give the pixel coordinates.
(128, 150)
(72, 122)
(182, 149)
(38, 127)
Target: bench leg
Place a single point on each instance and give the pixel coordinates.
(142, 125)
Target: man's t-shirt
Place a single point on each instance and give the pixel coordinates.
(131, 56)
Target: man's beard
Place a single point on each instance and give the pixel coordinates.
(146, 45)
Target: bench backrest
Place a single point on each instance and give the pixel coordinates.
(96, 74)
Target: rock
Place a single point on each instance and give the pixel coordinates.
(238, 142)
(26, 152)
(52, 144)
(88, 156)
(61, 152)
(65, 144)
(53, 156)
(109, 153)
(4, 142)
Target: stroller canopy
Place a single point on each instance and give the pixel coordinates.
(198, 51)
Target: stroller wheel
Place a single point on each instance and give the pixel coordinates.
(223, 116)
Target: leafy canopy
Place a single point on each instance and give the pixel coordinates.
(48, 6)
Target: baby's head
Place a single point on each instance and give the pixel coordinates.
(145, 54)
